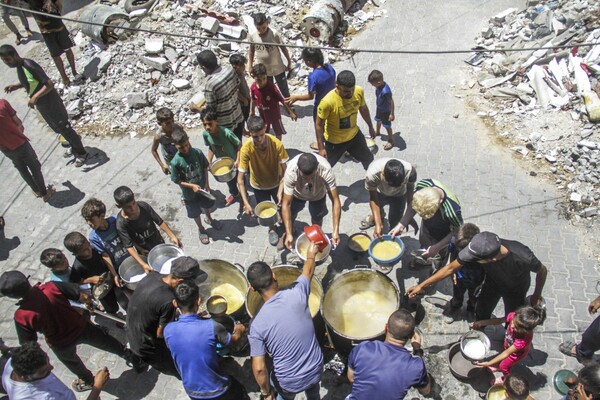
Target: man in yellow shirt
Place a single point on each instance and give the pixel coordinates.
(336, 127)
(264, 157)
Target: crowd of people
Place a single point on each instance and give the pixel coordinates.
(163, 327)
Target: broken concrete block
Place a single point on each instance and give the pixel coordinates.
(158, 63)
(235, 32)
(181, 84)
(501, 17)
(74, 108)
(210, 24)
(589, 212)
(97, 65)
(587, 143)
(550, 158)
(154, 45)
(167, 16)
(137, 99)
(575, 197)
(171, 54)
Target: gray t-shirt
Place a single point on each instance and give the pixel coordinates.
(374, 178)
(311, 188)
(268, 54)
(284, 329)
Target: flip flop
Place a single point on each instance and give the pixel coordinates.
(80, 386)
(388, 146)
(366, 223)
(567, 347)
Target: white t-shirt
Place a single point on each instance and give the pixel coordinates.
(311, 188)
(268, 55)
(374, 178)
(48, 388)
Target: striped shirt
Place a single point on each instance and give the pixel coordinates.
(448, 217)
(221, 92)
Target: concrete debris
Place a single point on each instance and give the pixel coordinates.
(154, 45)
(137, 99)
(545, 102)
(181, 84)
(210, 24)
(158, 63)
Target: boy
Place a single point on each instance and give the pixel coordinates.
(189, 169)
(384, 115)
(221, 142)
(136, 225)
(91, 267)
(268, 54)
(517, 388)
(104, 236)
(166, 122)
(266, 97)
(238, 63)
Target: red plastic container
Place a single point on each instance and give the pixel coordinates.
(316, 235)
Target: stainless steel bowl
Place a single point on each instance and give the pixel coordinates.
(223, 162)
(303, 241)
(162, 253)
(474, 335)
(268, 221)
(130, 271)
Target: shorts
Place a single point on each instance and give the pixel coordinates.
(384, 118)
(317, 209)
(277, 126)
(194, 207)
(58, 42)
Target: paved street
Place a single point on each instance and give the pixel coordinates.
(495, 191)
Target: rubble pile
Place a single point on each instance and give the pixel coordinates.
(545, 102)
(126, 81)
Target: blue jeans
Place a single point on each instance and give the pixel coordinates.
(312, 392)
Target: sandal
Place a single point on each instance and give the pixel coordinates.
(80, 160)
(79, 386)
(567, 348)
(204, 239)
(367, 223)
(388, 146)
(49, 192)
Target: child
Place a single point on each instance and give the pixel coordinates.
(385, 106)
(238, 62)
(468, 278)
(517, 388)
(166, 121)
(517, 340)
(92, 269)
(189, 169)
(104, 236)
(268, 54)
(136, 225)
(266, 97)
(221, 142)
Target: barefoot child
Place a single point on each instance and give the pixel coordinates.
(385, 106)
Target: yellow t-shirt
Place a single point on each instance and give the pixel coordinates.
(264, 165)
(340, 115)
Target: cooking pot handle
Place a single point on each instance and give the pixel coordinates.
(362, 266)
(354, 344)
(240, 266)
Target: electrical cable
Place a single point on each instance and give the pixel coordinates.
(294, 46)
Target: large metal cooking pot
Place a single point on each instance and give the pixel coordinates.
(286, 275)
(461, 367)
(356, 307)
(223, 162)
(130, 271)
(162, 255)
(227, 280)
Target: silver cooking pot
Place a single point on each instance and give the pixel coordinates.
(223, 162)
(162, 254)
(221, 272)
(129, 269)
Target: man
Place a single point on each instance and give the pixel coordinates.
(283, 328)
(386, 370)
(44, 97)
(55, 34)
(15, 146)
(193, 344)
(308, 178)
(150, 309)
(221, 92)
(590, 340)
(44, 308)
(336, 127)
(390, 181)
(28, 375)
(506, 264)
(264, 157)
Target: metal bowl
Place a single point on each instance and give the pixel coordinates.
(478, 336)
(392, 261)
(303, 241)
(354, 247)
(162, 253)
(262, 206)
(223, 162)
(130, 271)
(542, 301)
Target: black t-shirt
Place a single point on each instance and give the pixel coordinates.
(93, 267)
(141, 231)
(512, 273)
(150, 306)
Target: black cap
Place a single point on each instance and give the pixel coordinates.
(13, 284)
(483, 246)
(185, 267)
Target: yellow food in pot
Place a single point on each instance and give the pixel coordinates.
(362, 315)
(303, 250)
(314, 303)
(497, 393)
(222, 170)
(235, 298)
(359, 243)
(267, 212)
(386, 250)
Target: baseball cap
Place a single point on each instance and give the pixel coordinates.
(483, 246)
(185, 267)
(13, 284)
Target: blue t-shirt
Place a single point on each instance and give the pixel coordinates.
(109, 242)
(321, 81)
(291, 342)
(193, 344)
(384, 95)
(384, 371)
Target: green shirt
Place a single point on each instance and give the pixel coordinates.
(224, 144)
(189, 169)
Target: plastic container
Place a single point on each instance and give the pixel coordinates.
(315, 234)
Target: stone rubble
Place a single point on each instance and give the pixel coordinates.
(545, 102)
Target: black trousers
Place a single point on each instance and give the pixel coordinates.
(357, 147)
(397, 207)
(94, 336)
(160, 359)
(26, 162)
(490, 296)
(590, 341)
(282, 83)
(53, 110)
